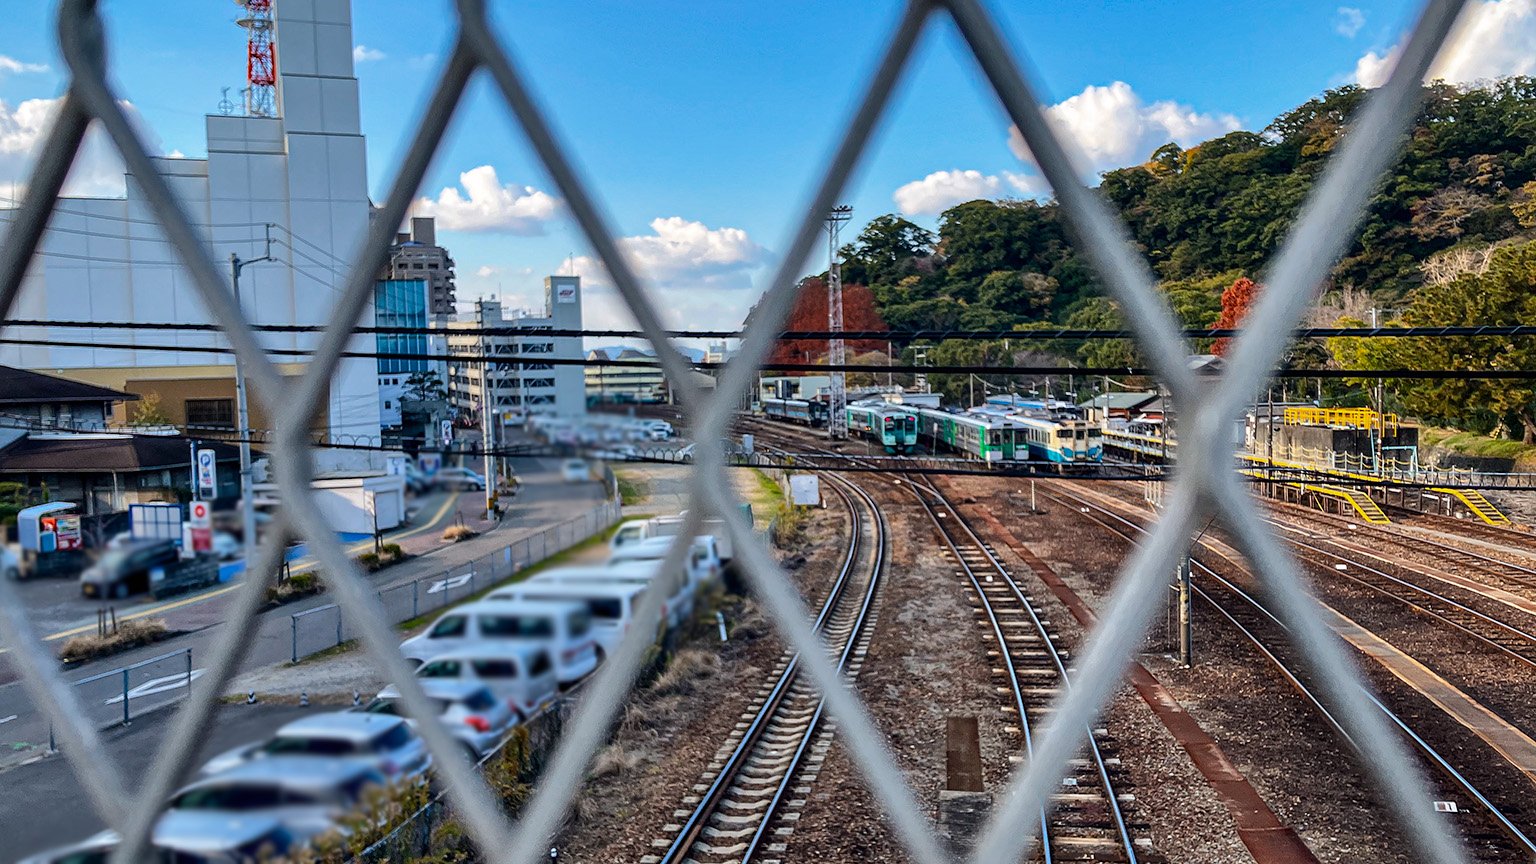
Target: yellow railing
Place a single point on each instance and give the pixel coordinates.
(1359, 418)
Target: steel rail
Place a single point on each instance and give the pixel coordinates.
(1117, 816)
(877, 569)
(1006, 655)
(1423, 746)
(1434, 596)
(1524, 575)
(688, 835)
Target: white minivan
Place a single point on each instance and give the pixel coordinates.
(677, 608)
(612, 604)
(522, 675)
(564, 628)
(703, 560)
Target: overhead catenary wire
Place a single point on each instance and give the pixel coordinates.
(531, 361)
(1062, 334)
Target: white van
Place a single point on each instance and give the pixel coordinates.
(703, 561)
(612, 604)
(636, 530)
(564, 628)
(677, 608)
(522, 675)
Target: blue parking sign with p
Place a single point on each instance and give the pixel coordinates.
(207, 474)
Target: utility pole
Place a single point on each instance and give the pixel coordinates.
(1269, 447)
(1186, 615)
(837, 355)
(486, 433)
(243, 418)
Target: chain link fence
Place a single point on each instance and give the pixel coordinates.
(325, 627)
(1205, 483)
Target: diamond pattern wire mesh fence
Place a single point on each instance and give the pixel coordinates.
(1205, 485)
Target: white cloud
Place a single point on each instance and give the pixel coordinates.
(97, 171)
(700, 276)
(489, 206)
(12, 66)
(1492, 39)
(1372, 69)
(1113, 127)
(364, 54)
(1028, 185)
(1348, 21)
(486, 271)
(942, 190)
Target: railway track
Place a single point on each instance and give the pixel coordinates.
(1448, 603)
(1470, 563)
(1265, 632)
(1086, 820)
(731, 817)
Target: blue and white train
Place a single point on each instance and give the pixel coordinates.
(811, 413)
(1063, 442)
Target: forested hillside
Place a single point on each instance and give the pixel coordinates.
(1208, 214)
(1205, 217)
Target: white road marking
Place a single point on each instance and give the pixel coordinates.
(445, 584)
(8, 719)
(158, 685)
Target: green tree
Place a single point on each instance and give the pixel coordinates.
(147, 412)
(888, 249)
(425, 387)
(1505, 294)
(1017, 292)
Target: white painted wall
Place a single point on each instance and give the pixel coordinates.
(104, 259)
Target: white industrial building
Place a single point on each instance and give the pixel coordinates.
(303, 171)
(521, 388)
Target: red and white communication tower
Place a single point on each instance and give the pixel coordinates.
(261, 58)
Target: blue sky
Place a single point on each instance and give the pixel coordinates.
(703, 125)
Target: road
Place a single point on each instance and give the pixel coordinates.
(42, 806)
(544, 501)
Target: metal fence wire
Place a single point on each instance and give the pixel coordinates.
(1206, 485)
(315, 630)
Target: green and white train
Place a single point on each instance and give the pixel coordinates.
(990, 439)
(894, 426)
(997, 437)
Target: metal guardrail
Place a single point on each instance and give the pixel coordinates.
(1205, 486)
(109, 697)
(325, 627)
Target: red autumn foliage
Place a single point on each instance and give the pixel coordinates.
(1236, 300)
(810, 313)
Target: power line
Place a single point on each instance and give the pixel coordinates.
(1425, 331)
(529, 360)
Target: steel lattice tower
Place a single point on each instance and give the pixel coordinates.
(260, 58)
(837, 353)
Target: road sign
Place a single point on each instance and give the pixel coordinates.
(198, 514)
(155, 521)
(447, 429)
(207, 474)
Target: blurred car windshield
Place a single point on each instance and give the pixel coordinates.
(231, 796)
(509, 626)
(310, 746)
